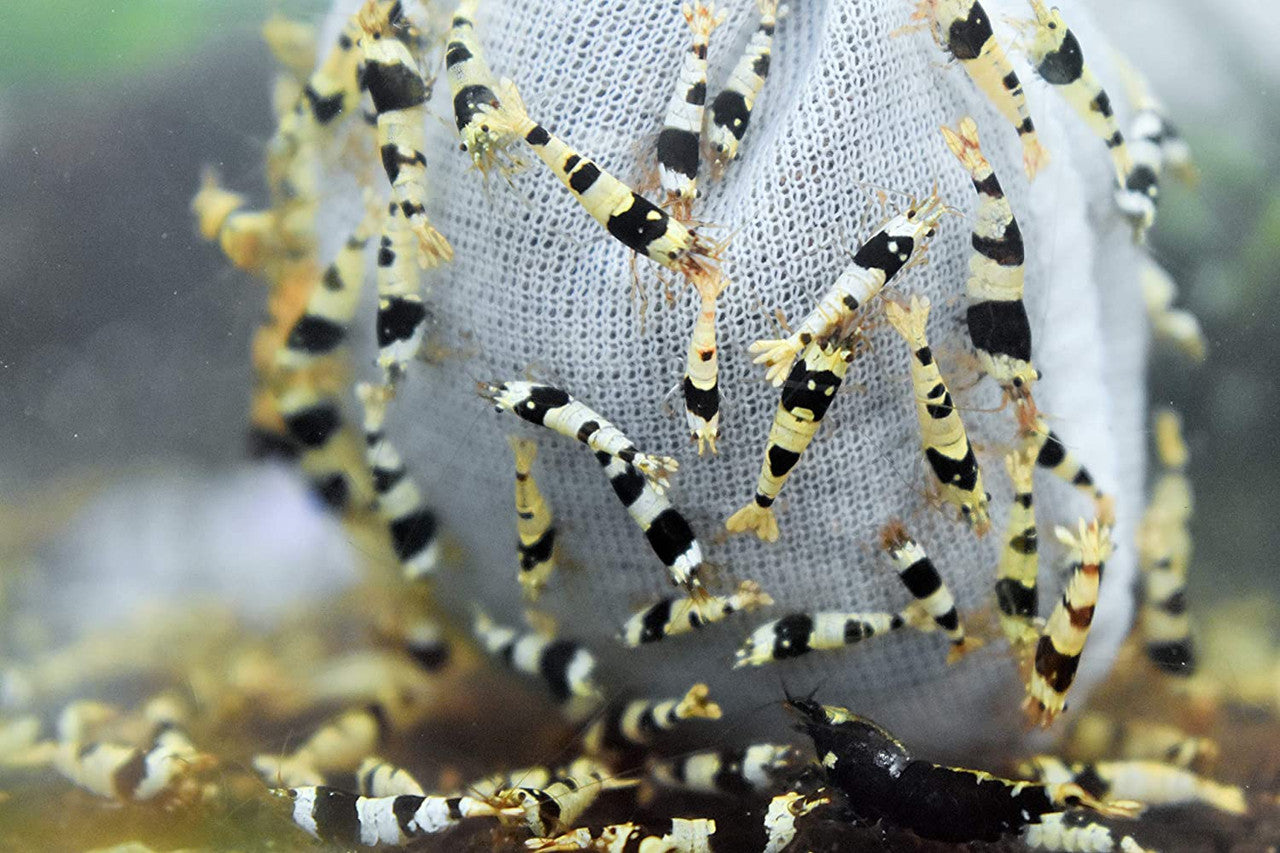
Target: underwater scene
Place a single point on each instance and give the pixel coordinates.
(639, 426)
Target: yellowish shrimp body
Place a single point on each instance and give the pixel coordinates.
(627, 726)
(401, 320)
(897, 245)
(399, 94)
(930, 591)
(679, 141)
(632, 219)
(1176, 325)
(321, 329)
(1062, 641)
(1151, 783)
(534, 523)
(1019, 566)
(807, 394)
(963, 29)
(942, 433)
(247, 237)
(731, 110)
(471, 84)
(1055, 53)
(1164, 555)
(996, 316)
(669, 617)
(701, 386)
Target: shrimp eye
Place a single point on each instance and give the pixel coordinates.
(930, 232)
(1017, 382)
(911, 214)
(1052, 25)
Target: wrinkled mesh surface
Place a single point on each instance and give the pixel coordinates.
(537, 288)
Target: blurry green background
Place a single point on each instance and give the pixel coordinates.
(125, 337)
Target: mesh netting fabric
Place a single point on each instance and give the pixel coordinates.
(537, 288)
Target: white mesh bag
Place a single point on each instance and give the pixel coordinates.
(537, 288)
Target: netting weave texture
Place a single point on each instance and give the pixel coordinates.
(537, 288)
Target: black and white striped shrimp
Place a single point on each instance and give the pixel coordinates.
(679, 141)
(1055, 53)
(339, 745)
(413, 525)
(556, 806)
(798, 634)
(322, 327)
(556, 409)
(1176, 325)
(331, 93)
(1019, 566)
(731, 109)
(942, 433)
(329, 452)
(1052, 455)
(1151, 120)
(1151, 783)
(674, 615)
(1164, 555)
(1073, 832)
(632, 219)
(339, 817)
(471, 83)
(665, 528)
(930, 591)
(399, 94)
(624, 727)
(686, 835)
(963, 29)
(997, 319)
(402, 314)
(701, 384)
(739, 772)
(807, 394)
(565, 666)
(1064, 635)
(1138, 196)
(896, 245)
(130, 773)
(158, 770)
(535, 526)
(378, 778)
